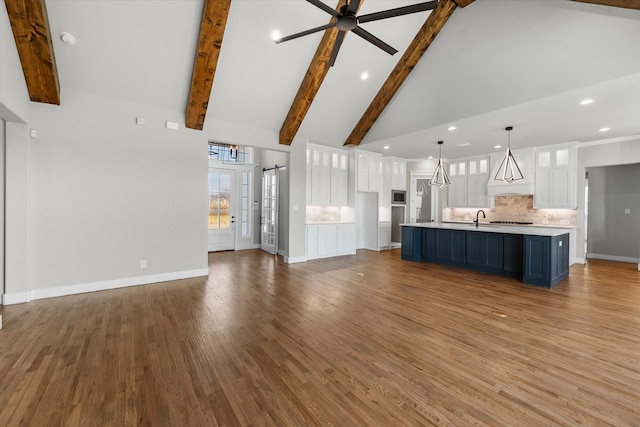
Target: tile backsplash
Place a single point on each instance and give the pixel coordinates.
(516, 208)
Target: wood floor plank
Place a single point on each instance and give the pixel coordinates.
(367, 340)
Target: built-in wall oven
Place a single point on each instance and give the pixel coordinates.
(398, 197)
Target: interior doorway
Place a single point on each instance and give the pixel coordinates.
(397, 218)
(422, 198)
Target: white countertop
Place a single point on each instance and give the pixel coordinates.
(491, 228)
(329, 222)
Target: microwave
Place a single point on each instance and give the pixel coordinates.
(398, 197)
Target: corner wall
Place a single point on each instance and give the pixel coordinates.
(612, 233)
(617, 152)
(106, 194)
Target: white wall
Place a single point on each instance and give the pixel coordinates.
(607, 153)
(106, 193)
(2, 171)
(297, 171)
(16, 241)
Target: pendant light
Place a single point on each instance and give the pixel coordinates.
(509, 170)
(440, 178)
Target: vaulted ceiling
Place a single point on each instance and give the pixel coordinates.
(478, 66)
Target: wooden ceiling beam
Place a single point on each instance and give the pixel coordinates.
(463, 3)
(403, 68)
(212, 25)
(317, 71)
(31, 31)
(626, 4)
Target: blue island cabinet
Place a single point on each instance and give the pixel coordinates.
(411, 243)
(451, 247)
(546, 261)
(540, 258)
(485, 252)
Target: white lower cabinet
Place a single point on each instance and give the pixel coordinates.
(384, 235)
(328, 240)
(312, 241)
(346, 239)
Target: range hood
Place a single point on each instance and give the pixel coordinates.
(525, 158)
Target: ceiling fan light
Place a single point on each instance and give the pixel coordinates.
(276, 35)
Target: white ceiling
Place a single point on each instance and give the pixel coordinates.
(496, 63)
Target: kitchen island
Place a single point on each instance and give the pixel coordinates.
(536, 255)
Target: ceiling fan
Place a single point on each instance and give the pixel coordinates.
(346, 20)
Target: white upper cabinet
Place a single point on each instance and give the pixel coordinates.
(327, 176)
(555, 183)
(339, 178)
(468, 182)
(394, 177)
(477, 178)
(398, 174)
(368, 171)
(457, 191)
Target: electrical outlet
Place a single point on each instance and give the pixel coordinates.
(143, 263)
(627, 211)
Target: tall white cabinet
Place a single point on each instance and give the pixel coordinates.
(368, 171)
(555, 180)
(469, 179)
(327, 176)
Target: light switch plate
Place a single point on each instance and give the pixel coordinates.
(627, 211)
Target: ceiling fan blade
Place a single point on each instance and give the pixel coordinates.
(305, 33)
(399, 11)
(374, 40)
(336, 47)
(320, 5)
(353, 6)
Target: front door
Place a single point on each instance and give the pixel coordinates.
(269, 233)
(221, 210)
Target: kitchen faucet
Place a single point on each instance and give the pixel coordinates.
(477, 216)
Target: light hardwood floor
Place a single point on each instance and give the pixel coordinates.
(365, 340)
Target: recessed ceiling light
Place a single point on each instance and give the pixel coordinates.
(604, 129)
(386, 147)
(452, 128)
(364, 75)
(67, 38)
(497, 146)
(430, 157)
(586, 101)
(276, 35)
(463, 144)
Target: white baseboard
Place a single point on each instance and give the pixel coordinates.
(60, 291)
(577, 260)
(294, 260)
(614, 258)
(17, 298)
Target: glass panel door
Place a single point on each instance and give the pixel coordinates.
(269, 234)
(221, 210)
